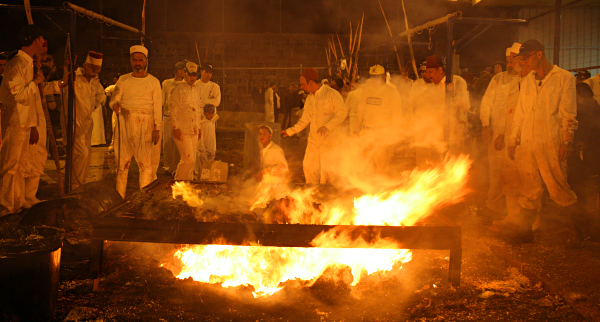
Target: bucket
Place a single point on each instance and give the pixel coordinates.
(29, 272)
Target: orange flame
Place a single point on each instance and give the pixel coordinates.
(418, 195)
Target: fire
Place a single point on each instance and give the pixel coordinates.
(417, 196)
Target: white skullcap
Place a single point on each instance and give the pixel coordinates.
(515, 48)
(268, 127)
(138, 49)
(377, 70)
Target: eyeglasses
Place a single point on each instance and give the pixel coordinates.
(527, 57)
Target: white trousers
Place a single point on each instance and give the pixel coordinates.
(82, 155)
(187, 150)
(98, 136)
(13, 165)
(314, 159)
(134, 139)
(170, 150)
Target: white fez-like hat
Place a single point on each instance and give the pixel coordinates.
(515, 48)
(94, 58)
(138, 49)
(508, 51)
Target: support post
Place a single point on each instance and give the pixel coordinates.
(97, 253)
(557, 25)
(455, 267)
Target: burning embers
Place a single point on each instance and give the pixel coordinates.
(417, 196)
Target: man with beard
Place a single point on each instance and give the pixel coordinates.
(324, 111)
(137, 100)
(544, 126)
(89, 96)
(497, 112)
(24, 146)
(441, 128)
(171, 155)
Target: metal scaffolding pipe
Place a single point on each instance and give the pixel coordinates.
(104, 19)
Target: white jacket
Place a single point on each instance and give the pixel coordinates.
(167, 88)
(184, 105)
(19, 93)
(501, 94)
(139, 95)
(323, 108)
(208, 141)
(273, 162)
(210, 93)
(352, 102)
(545, 117)
(89, 96)
(379, 106)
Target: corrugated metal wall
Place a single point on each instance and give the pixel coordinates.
(580, 35)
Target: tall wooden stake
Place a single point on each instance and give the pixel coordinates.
(391, 35)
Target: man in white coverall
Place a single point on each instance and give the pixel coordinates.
(89, 96)
(20, 96)
(544, 125)
(324, 111)
(137, 100)
(419, 86)
(379, 111)
(170, 151)
(497, 112)
(270, 104)
(185, 111)
(441, 128)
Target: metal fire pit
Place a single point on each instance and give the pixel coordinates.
(436, 233)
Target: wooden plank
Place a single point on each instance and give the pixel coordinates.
(164, 231)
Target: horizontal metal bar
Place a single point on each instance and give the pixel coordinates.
(490, 21)
(33, 8)
(584, 68)
(206, 233)
(119, 38)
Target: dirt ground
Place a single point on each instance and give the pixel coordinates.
(135, 288)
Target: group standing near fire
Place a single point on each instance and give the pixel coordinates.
(528, 117)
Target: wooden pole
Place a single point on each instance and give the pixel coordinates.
(391, 35)
(197, 52)
(410, 46)
(143, 21)
(358, 48)
(341, 48)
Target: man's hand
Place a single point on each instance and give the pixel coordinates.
(486, 134)
(284, 132)
(155, 136)
(499, 142)
(65, 80)
(39, 77)
(117, 107)
(450, 88)
(178, 135)
(34, 136)
(511, 152)
(323, 131)
(564, 151)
